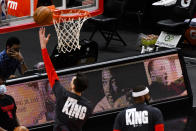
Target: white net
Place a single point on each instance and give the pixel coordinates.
(68, 32)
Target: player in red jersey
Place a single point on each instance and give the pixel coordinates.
(72, 109)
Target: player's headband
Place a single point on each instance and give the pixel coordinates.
(140, 93)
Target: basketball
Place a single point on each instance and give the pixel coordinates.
(43, 15)
(21, 128)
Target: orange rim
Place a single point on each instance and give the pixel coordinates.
(77, 13)
(52, 7)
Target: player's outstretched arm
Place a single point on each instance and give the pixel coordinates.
(52, 75)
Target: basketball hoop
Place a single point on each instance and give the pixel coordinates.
(68, 24)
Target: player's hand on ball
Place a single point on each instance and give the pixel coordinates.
(43, 39)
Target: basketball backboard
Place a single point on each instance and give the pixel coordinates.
(20, 12)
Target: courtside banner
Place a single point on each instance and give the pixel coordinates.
(110, 87)
(35, 101)
(20, 8)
